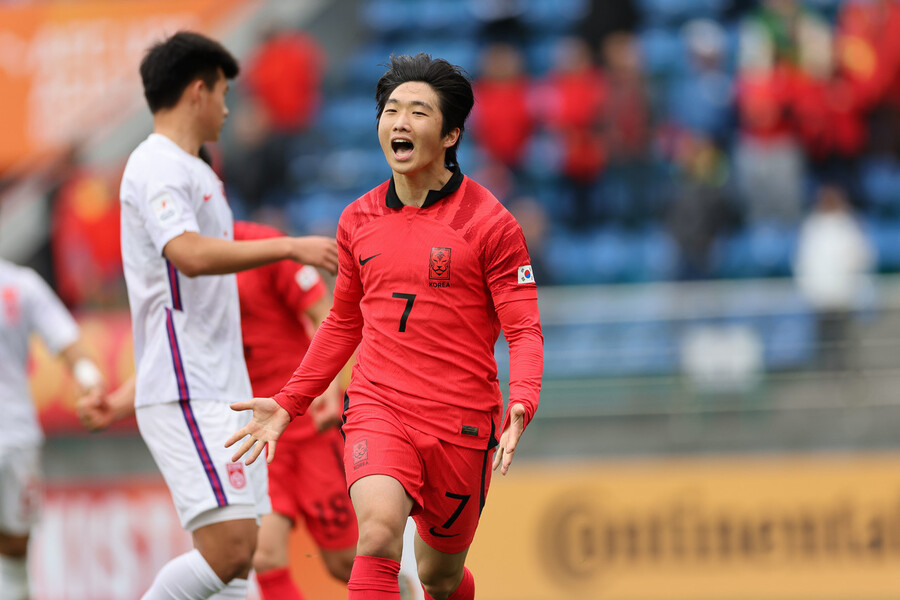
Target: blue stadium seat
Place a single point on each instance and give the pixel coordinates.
(885, 237)
(389, 16)
(554, 15)
(673, 12)
(662, 51)
(657, 255)
(315, 212)
(880, 179)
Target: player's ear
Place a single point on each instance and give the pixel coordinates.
(193, 91)
(451, 137)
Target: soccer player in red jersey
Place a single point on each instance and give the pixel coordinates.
(281, 305)
(432, 267)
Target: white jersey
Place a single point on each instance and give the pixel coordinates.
(27, 305)
(187, 331)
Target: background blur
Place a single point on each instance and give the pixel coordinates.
(710, 190)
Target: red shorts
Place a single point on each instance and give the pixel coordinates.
(447, 483)
(306, 479)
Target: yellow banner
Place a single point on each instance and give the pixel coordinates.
(782, 528)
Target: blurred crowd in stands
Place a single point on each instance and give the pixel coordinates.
(635, 140)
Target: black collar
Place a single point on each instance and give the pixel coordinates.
(393, 200)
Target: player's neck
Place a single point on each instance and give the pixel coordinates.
(412, 188)
(179, 129)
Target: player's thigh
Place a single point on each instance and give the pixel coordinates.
(321, 491)
(187, 441)
(381, 458)
(456, 485)
(272, 542)
(20, 491)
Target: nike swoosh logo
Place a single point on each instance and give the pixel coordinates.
(362, 262)
(444, 535)
(207, 197)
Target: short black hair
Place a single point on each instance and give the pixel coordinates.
(450, 83)
(171, 65)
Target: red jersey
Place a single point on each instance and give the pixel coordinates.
(421, 289)
(274, 325)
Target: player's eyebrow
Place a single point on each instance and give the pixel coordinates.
(412, 103)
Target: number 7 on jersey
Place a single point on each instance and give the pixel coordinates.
(410, 298)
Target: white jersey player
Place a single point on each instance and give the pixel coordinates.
(179, 257)
(27, 306)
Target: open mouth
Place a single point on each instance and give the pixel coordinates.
(402, 148)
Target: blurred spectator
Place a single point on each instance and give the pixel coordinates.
(868, 54)
(84, 240)
(780, 32)
(627, 130)
(255, 169)
(283, 78)
(499, 20)
(827, 114)
(502, 122)
(284, 73)
(768, 161)
(572, 100)
(604, 18)
(701, 98)
(832, 268)
(627, 123)
(700, 209)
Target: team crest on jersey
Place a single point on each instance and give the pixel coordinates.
(360, 453)
(236, 475)
(439, 264)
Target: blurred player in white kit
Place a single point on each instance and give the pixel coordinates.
(28, 306)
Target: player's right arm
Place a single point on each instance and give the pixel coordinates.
(326, 409)
(336, 338)
(333, 345)
(194, 254)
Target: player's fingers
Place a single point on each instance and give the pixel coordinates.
(258, 447)
(330, 264)
(237, 435)
(507, 458)
(242, 405)
(498, 455)
(270, 456)
(248, 443)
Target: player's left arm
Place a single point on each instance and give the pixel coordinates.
(511, 282)
(521, 325)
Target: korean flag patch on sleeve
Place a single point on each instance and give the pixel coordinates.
(526, 275)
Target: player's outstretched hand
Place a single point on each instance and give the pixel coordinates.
(98, 409)
(510, 437)
(268, 423)
(93, 410)
(316, 250)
